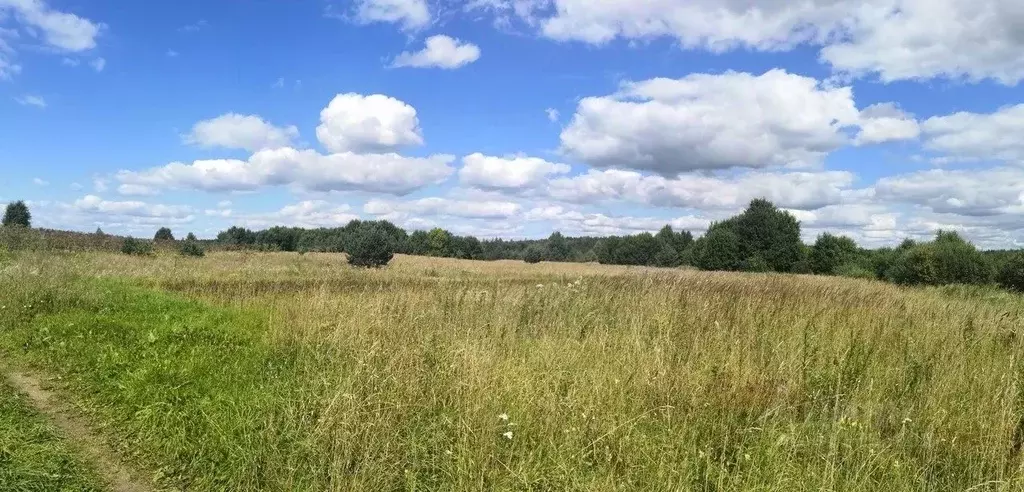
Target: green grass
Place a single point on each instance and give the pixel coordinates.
(287, 372)
(33, 457)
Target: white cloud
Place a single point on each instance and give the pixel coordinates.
(309, 213)
(886, 122)
(911, 39)
(70, 62)
(411, 14)
(224, 204)
(172, 54)
(96, 205)
(137, 190)
(76, 186)
(440, 52)
(974, 136)
(61, 30)
(195, 26)
(705, 121)
(444, 207)
(31, 100)
(552, 114)
(801, 190)
(40, 182)
(978, 193)
(374, 123)
(98, 64)
(897, 39)
(507, 173)
(574, 222)
(302, 169)
(236, 131)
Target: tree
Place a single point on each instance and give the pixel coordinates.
(136, 247)
(718, 249)
(370, 247)
(1011, 275)
(439, 242)
(558, 249)
(190, 247)
(17, 215)
(678, 240)
(667, 256)
(533, 254)
(914, 266)
(419, 243)
(163, 234)
(191, 237)
(237, 236)
(958, 261)
(770, 233)
(831, 252)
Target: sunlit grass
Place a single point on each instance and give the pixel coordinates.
(284, 371)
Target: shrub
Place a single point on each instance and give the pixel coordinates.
(136, 247)
(958, 261)
(915, 266)
(370, 247)
(17, 215)
(163, 234)
(533, 255)
(1011, 275)
(192, 248)
(191, 237)
(719, 249)
(755, 263)
(774, 235)
(854, 270)
(830, 252)
(667, 256)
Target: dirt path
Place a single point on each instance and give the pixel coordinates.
(118, 476)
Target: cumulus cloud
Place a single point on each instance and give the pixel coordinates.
(576, 222)
(375, 123)
(507, 173)
(896, 39)
(410, 14)
(60, 31)
(976, 136)
(308, 213)
(444, 207)
(705, 121)
(237, 131)
(302, 169)
(800, 190)
(552, 114)
(985, 192)
(440, 52)
(886, 122)
(96, 205)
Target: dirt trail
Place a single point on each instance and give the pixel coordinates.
(117, 475)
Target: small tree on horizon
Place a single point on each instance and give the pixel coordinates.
(17, 215)
(163, 234)
(370, 247)
(191, 237)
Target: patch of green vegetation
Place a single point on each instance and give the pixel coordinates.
(188, 390)
(32, 456)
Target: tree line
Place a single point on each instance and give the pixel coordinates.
(762, 238)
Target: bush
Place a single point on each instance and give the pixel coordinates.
(854, 270)
(1011, 275)
(191, 237)
(667, 256)
(370, 247)
(17, 215)
(136, 247)
(719, 249)
(163, 234)
(533, 255)
(830, 252)
(958, 261)
(192, 248)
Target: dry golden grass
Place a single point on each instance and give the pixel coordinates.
(611, 378)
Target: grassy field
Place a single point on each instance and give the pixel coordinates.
(279, 371)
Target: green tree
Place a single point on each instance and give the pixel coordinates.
(370, 247)
(678, 240)
(191, 247)
(718, 249)
(191, 237)
(957, 261)
(439, 242)
(1011, 274)
(419, 243)
(533, 254)
(237, 236)
(558, 249)
(770, 233)
(831, 252)
(163, 234)
(667, 256)
(17, 215)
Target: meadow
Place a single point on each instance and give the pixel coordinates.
(286, 371)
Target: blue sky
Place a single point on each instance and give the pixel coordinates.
(880, 119)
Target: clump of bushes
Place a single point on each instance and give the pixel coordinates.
(136, 247)
(1011, 275)
(163, 234)
(947, 260)
(762, 238)
(533, 255)
(192, 248)
(370, 247)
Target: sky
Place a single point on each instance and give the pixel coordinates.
(877, 119)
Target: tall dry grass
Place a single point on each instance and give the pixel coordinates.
(454, 375)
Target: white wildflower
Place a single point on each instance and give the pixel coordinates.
(503, 417)
(508, 435)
